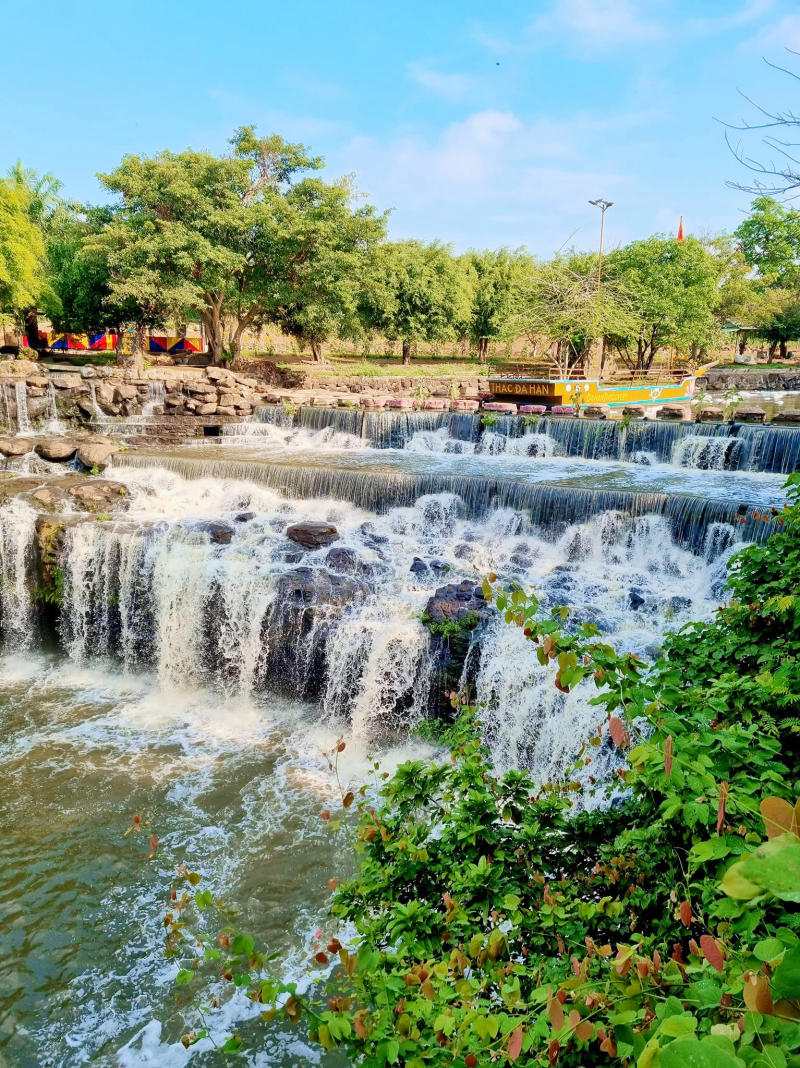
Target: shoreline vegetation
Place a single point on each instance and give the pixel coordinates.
(253, 240)
(643, 910)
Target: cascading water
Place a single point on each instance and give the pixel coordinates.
(55, 425)
(208, 661)
(21, 401)
(702, 446)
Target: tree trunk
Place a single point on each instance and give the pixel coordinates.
(772, 349)
(212, 321)
(783, 351)
(406, 351)
(316, 351)
(32, 329)
(483, 349)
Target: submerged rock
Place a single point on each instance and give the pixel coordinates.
(312, 535)
(219, 533)
(100, 495)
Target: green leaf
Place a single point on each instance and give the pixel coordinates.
(786, 980)
(677, 1026)
(705, 993)
(768, 949)
(775, 866)
(696, 1053)
(184, 977)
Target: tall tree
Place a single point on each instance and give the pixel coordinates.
(562, 302)
(22, 252)
(672, 287)
(495, 279)
(185, 232)
(417, 293)
(770, 241)
(312, 256)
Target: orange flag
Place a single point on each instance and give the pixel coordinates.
(680, 229)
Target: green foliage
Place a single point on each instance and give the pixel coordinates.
(22, 251)
(770, 241)
(494, 280)
(416, 292)
(673, 289)
(449, 628)
(500, 920)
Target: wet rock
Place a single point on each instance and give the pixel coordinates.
(57, 450)
(66, 381)
(786, 418)
(635, 598)
(244, 517)
(86, 408)
(206, 409)
(100, 495)
(308, 603)
(633, 412)
(347, 561)
(710, 415)
(750, 415)
(455, 602)
(593, 411)
(51, 497)
(219, 533)
(670, 412)
(96, 454)
(227, 410)
(38, 381)
(312, 535)
(418, 567)
(679, 604)
(125, 392)
(15, 446)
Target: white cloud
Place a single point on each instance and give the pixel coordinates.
(750, 12)
(491, 179)
(599, 24)
(450, 86)
(776, 38)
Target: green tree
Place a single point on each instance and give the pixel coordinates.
(417, 293)
(672, 287)
(779, 323)
(562, 302)
(312, 255)
(770, 241)
(22, 252)
(185, 235)
(495, 279)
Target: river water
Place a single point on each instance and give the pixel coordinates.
(202, 664)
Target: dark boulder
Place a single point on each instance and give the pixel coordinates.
(312, 535)
(219, 533)
(635, 598)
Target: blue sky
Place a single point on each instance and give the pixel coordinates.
(478, 124)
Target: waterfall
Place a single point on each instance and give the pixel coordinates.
(54, 425)
(549, 507)
(719, 446)
(17, 527)
(156, 392)
(231, 603)
(99, 414)
(21, 399)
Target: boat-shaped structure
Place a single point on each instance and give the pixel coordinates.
(552, 391)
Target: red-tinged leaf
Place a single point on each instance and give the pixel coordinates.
(471, 1060)
(325, 815)
(515, 1043)
(348, 799)
(334, 945)
(616, 729)
(555, 1014)
(777, 815)
(340, 748)
(333, 883)
(668, 756)
(552, 1051)
(723, 797)
(359, 1028)
(154, 842)
(712, 952)
(321, 958)
(686, 913)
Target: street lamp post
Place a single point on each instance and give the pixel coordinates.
(603, 205)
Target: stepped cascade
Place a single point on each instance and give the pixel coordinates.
(185, 631)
